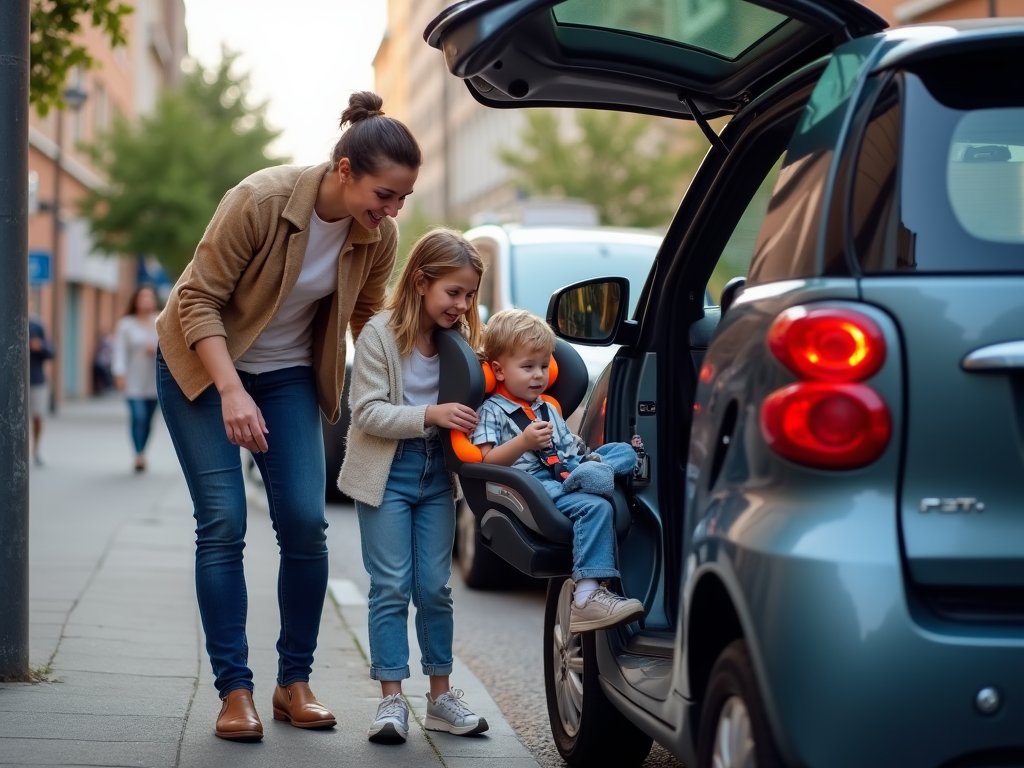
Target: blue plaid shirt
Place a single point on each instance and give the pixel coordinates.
(496, 426)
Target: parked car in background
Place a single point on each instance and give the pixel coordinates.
(524, 266)
(336, 434)
(829, 544)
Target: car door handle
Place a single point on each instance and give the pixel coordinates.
(997, 357)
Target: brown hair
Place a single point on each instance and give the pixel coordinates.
(131, 309)
(434, 255)
(370, 140)
(517, 330)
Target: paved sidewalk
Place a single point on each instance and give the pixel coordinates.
(116, 633)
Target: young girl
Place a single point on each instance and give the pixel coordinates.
(394, 470)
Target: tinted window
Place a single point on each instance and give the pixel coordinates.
(787, 246)
(939, 185)
(725, 28)
(540, 269)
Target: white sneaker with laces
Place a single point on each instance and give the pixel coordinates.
(391, 726)
(448, 713)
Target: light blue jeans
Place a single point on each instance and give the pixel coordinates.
(594, 554)
(407, 550)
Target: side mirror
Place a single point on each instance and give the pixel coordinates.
(591, 311)
(730, 292)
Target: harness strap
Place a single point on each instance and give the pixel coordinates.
(521, 417)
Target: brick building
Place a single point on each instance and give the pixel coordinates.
(85, 293)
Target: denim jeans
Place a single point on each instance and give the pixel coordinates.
(407, 550)
(594, 547)
(294, 474)
(141, 411)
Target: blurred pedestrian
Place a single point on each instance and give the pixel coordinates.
(292, 256)
(39, 351)
(134, 365)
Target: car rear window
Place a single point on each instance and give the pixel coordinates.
(939, 185)
(725, 28)
(540, 269)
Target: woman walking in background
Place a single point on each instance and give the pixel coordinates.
(252, 349)
(134, 365)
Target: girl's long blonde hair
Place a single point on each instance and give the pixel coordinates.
(434, 255)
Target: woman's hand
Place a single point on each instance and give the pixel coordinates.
(452, 416)
(119, 383)
(538, 435)
(243, 422)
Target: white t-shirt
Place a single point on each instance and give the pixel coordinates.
(288, 340)
(420, 378)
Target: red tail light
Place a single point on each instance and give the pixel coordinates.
(827, 343)
(829, 420)
(831, 426)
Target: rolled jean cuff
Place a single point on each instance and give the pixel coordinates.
(299, 679)
(437, 669)
(392, 675)
(595, 573)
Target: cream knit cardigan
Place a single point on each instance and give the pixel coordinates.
(379, 419)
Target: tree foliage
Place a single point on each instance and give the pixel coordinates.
(630, 167)
(167, 172)
(56, 46)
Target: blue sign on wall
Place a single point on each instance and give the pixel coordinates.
(38, 267)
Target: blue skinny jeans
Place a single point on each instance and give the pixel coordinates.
(294, 475)
(407, 550)
(141, 411)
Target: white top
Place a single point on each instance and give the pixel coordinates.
(420, 378)
(288, 339)
(134, 356)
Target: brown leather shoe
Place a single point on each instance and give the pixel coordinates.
(297, 705)
(238, 719)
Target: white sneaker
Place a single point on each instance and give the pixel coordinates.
(391, 726)
(447, 713)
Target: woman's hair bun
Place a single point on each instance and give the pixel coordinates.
(361, 105)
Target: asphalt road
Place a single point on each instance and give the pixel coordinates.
(499, 636)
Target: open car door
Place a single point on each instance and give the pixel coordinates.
(663, 57)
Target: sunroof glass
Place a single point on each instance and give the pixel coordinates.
(725, 28)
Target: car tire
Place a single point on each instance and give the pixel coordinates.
(479, 566)
(734, 729)
(587, 729)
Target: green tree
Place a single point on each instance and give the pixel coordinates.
(166, 173)
(56, 45)
(632, 168)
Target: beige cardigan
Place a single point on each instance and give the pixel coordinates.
(379, 419)
(248, 262)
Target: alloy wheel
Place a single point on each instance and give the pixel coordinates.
(567, 648)
(734, 737)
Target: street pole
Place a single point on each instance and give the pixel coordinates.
(14, 70)
(56, 269)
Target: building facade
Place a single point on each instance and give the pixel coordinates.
(80, 295)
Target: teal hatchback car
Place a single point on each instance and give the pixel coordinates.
(827, 532)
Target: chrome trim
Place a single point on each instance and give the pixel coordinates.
(996, 357)
(512, 501)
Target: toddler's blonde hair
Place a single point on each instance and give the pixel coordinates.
(517, 330)
(434, 255)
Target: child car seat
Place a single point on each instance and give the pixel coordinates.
(518, 520)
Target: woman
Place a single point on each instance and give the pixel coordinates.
(135, 343)
(291, 257)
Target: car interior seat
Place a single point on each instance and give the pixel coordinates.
(518, 520)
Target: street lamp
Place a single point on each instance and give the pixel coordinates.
(74, 97)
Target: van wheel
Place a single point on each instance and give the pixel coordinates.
(734, 729)
(480, 568)
(587, 729)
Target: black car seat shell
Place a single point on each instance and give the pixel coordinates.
(518, 520)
